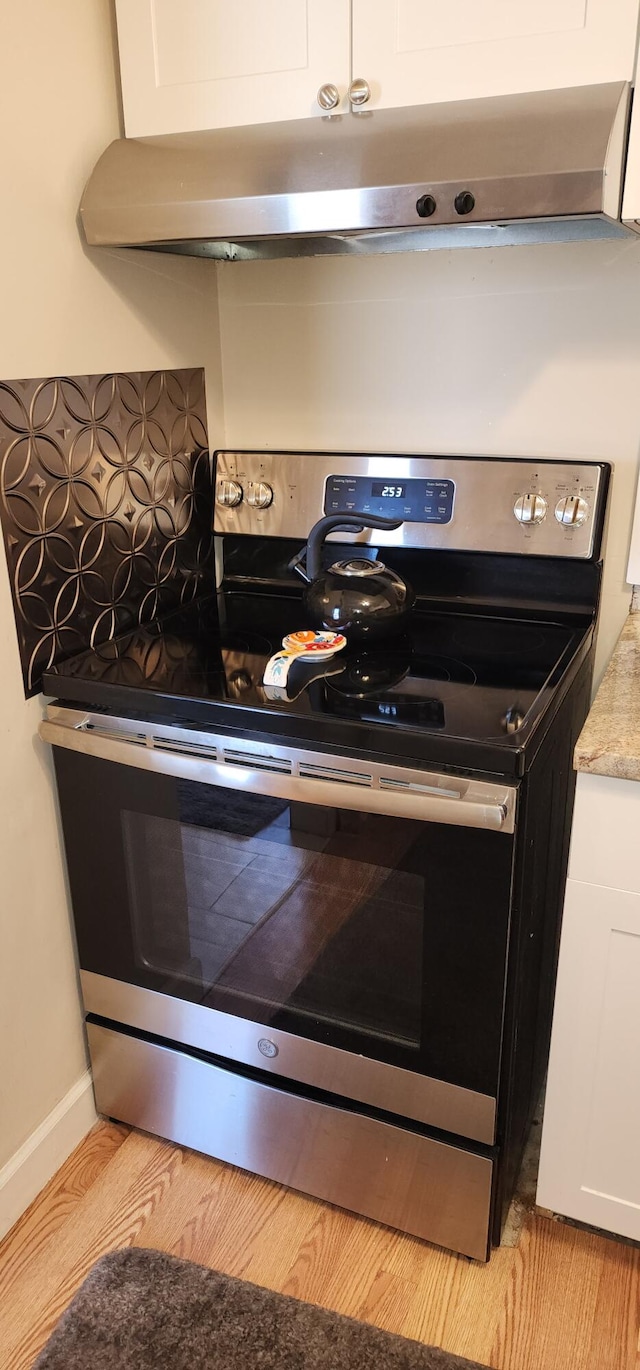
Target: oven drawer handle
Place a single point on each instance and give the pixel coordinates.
(285, 772)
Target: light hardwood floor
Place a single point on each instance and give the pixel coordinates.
(562, 1300)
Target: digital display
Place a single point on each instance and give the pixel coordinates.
(393, 708)
(381, 489)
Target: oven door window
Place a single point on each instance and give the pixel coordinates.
(381, 935)
(266, 906)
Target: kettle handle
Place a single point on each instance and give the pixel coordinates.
(355, 522)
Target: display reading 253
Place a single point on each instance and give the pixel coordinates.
(381, 490)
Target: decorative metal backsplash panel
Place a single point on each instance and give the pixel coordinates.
(105, 502)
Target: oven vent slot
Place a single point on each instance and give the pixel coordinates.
(387, 782)
(169, 744)
(258, 761)
(116, 735)
(311, 771)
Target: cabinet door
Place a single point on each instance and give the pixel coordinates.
(190, 64)
(422, 51)
(589, 1163)
(631, 216)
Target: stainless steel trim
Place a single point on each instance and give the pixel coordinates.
(419, 1097)
(263, 768)
(237, 191)
(429, 1189)
(483, 516)
(460, 235)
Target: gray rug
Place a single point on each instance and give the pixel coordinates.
(142, 1310)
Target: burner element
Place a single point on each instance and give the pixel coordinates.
(445, 668)
(237, 641)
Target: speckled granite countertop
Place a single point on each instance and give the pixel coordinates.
(609, 743)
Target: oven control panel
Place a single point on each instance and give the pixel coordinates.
(484, 504)
(416, 501)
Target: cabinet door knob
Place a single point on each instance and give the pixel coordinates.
(328, 96)
(359, 91)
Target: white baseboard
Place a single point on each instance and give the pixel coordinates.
(33, 1165)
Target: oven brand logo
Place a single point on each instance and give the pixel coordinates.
(267, 1048)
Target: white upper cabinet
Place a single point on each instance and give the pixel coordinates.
(192, 64)
(414, 52)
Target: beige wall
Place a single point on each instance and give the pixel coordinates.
(63, 310)
(521, 351)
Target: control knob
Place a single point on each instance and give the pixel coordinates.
(572, 511)
(426, 206)
(229, 493)
(530, 508)
(259, 494)
(464, 202)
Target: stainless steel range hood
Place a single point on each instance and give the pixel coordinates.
(518, 168)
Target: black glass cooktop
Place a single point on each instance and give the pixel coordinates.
(464, 688)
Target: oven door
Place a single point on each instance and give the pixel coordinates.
(338, 922)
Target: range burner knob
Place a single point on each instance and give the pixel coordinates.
(229, 493)
(572, 511)
(259, 494)
(530, 508)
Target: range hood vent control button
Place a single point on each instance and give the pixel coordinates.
(426, 206)
(464, 202)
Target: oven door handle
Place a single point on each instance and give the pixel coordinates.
(285, 772)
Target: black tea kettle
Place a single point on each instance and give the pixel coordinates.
(359, 597)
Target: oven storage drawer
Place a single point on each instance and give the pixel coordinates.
(424, 1187)
(362, 1079)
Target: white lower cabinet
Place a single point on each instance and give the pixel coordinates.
(590, 1160)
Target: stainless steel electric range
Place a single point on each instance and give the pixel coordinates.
(318, 927)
